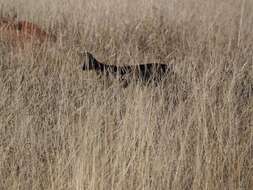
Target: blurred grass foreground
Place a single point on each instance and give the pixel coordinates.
(63, 128)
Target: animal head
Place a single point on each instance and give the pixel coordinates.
(90, 62)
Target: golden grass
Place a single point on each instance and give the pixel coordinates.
(62, 128)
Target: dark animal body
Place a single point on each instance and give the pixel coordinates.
(145, 72)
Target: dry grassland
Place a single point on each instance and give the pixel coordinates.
(62, 128)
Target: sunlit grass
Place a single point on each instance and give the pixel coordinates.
(62, 128)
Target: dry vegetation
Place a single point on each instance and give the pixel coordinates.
(62, 128)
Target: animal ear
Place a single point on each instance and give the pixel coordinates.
(89, 57)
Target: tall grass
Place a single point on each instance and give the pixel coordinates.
(62, 128)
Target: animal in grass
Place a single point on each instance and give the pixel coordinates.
(32, 31)
(23, 31)
(145, 72)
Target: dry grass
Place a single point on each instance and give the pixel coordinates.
(61, 128)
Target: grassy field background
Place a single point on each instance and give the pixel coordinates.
(62, 128)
